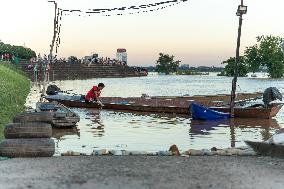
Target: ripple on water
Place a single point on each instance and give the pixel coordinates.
(100, 129)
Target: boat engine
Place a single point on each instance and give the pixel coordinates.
(52, 90)
(270, 94)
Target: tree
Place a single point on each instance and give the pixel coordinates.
(267, 52)
(252, 58)
(18, 51)
(166, 64)
(229, 68)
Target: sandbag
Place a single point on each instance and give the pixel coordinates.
(28, 130)
(41, 147)
(34, 117)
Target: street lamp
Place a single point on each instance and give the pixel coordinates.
(241, 10)
(52, 43)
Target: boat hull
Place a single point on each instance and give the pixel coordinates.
(265, 113)
(202, 113)
(266, 149)
(165, 106)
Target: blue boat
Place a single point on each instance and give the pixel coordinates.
(202, 113)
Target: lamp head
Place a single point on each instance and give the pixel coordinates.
(241, 10)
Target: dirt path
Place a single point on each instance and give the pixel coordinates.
(130, 172)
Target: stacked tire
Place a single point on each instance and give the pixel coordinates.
(28, 136)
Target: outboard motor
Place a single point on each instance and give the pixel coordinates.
(270, 94)
(52, 90)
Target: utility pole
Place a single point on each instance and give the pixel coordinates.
(241, 10)
(55, 26)
(54, 31)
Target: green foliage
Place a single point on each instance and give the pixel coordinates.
(252, 58)
(229, 68)
(18, 51)
(14, 88)
(166, 64)
(266, 52)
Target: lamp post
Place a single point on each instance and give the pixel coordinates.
(54, 31)
(241, 10)
(52, 43)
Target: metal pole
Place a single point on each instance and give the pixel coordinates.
(237, 61)
(54, 31)
(52, 43)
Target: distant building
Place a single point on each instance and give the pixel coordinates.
(91, 57)
(184, 67)
(121, 55)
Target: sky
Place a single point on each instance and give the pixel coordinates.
(197, 32)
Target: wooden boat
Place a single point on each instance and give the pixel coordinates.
(202, 113)
(219, 97)
(252, 112)
(177, 106)
(62, 116)
(267, 149)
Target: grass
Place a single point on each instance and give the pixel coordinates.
(14, 88)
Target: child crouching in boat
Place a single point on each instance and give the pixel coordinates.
(94, 94)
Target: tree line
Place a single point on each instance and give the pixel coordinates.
(267, 52)
(18, 51)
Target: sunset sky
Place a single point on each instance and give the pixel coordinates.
(197, 32)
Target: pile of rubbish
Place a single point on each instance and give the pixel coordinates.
(173, 151)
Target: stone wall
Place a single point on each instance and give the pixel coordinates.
(67, 71)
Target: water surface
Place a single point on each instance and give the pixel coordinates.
(100, 129)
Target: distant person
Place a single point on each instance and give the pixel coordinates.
(36, 72)
(94, 94)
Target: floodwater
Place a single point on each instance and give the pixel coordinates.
(104, 129)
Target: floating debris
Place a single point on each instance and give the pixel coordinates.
(174, 150)
(71, 153)
(100, 152)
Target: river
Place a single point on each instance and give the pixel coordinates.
(104, 129)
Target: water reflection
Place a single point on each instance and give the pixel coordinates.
(265, 127)
(154, 132)
(60, 133)
(96, 122)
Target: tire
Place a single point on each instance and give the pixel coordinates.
(42, 147)
(28, 130)
(34, 117)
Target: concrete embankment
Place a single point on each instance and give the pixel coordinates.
(143, 172)
(14, 88)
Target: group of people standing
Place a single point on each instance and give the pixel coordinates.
(6, 56)
(40, 67)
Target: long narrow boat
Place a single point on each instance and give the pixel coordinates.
(177, 106)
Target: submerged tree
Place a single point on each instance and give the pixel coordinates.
(166, 64)
(252, 58)
(229, 68)
(267, 52)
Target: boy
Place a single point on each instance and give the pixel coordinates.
(94, 93)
